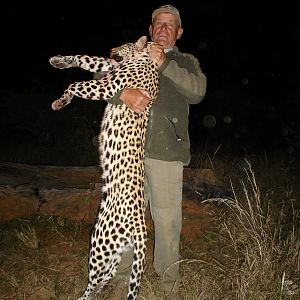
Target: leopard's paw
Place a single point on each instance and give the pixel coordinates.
(60, 62)
(58, 104)
(62, 101)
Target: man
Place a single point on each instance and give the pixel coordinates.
(167, 148)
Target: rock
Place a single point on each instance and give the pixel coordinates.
(53, 190)
(68, 191)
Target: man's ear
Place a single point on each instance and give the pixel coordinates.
(150, 30)
(179, 33)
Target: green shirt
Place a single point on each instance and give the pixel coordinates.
(181, 83)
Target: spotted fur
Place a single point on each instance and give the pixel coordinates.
(120, 223)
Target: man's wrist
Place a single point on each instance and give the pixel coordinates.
(123, 96)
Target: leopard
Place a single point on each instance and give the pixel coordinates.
(120, 224)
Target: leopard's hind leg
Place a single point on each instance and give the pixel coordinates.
(102, 269)
(99, 278)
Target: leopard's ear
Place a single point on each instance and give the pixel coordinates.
(141, 42)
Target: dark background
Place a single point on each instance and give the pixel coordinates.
(248, 50)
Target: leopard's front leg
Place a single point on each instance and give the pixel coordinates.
(89, 63)
(90, 90)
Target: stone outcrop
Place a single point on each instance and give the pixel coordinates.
(74, 192)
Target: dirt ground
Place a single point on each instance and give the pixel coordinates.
(43, 257)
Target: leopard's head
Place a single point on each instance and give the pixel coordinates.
(130, 51)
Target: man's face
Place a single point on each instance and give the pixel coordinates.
(165, 30)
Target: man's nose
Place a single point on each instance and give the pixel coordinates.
(164, 26)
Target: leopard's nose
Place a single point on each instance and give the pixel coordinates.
(117, 57)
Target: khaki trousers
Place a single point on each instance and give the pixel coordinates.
(163, 192)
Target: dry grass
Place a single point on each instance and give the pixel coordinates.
(28, 237)
(259, 246)
(252, 251)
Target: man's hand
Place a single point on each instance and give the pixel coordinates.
(135, 99)
(157, 54)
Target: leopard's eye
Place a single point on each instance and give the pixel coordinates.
(117, 57)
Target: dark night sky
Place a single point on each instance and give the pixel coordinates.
(249, 52)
